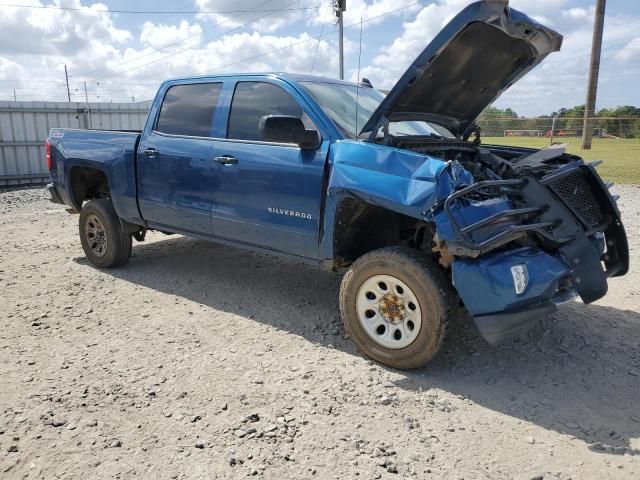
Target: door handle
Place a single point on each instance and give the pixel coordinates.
(226, 160)
(150, 152)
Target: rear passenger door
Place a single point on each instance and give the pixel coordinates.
(175, 172)
(269, 194)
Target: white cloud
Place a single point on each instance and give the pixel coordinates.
(250, 52)
(40, 31)
(559, 81)
(630, 51)
(36, 43)
(245, 52)
(118, 63)
(394, 59)
(10, 70)
(578, 13)
(159, 36)
(260, 15)
(361, 9)
(39, 42)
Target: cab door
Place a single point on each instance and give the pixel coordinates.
(269, 194)
(175, 159)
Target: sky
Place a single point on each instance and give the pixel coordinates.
(123, 56)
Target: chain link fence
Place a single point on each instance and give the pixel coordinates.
(556, 129)
(616, 140)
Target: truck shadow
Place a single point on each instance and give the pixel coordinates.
(582, 378)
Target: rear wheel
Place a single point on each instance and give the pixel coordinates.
(103, 240)
(395, 305)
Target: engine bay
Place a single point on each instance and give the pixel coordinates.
(489, 162)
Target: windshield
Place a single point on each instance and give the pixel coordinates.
(339, 102)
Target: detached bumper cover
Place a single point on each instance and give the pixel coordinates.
(487, 288)
(500, 327)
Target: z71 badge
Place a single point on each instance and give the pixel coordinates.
(289, 213)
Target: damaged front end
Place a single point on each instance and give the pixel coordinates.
(521, 230)
(540, 233)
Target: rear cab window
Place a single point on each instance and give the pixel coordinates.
(187, 110)
(253, 100)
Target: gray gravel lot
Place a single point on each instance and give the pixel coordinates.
(201, 361)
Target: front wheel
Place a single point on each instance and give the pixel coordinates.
(103, 241)
(395, 305)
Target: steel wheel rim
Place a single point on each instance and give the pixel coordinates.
(96, 235)
(390, 316)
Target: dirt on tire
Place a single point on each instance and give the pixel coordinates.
(427, 282)
(117, 243)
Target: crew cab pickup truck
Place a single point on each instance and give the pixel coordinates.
(396, 189)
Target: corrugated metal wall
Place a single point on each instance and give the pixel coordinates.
(24, 127)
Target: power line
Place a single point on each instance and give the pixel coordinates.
(199, 43)
(147, 12)
(281, 48)
(313, 38)
(324, 21)
(164, 47)
(148, 83)
(177, 42)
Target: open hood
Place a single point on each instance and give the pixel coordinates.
(477, 56)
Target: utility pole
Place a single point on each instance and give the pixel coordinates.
(15, 99)
(66, 76)
(594, 70)
(86, 99)
(340, 6)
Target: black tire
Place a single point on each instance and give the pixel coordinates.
(428, 284)
(99, 216)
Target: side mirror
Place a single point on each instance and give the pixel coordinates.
(288, 129)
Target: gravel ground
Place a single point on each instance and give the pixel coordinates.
(201, 361)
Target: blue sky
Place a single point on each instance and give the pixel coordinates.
(123, 56)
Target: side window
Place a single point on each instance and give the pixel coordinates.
(188, 109)
(251, 101)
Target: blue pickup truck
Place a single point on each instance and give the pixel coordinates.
(397, 190)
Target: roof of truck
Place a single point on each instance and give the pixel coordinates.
(295, 77)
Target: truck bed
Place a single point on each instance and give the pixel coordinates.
(110, 151)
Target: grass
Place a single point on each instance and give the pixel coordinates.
(621, 157)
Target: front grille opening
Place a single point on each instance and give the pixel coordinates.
(575, 191)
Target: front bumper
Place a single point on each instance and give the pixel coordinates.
(575, 235)
(563, 213)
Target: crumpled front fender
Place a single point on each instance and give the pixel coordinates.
(399, 180)
(403, 181)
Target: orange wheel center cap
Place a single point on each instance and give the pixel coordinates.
(391, 308)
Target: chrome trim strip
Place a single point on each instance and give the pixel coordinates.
(234, 140)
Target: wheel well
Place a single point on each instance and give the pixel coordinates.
(361, 227)
(87, 183)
